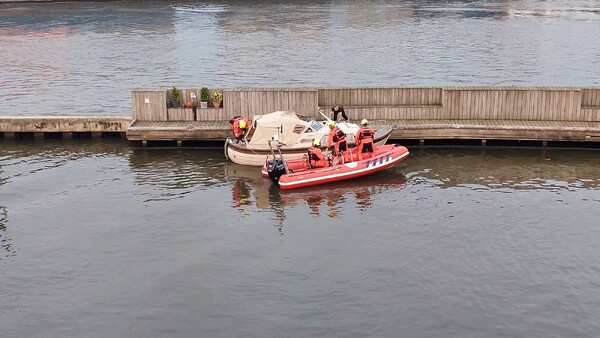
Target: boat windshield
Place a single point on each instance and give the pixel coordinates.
(315, 126)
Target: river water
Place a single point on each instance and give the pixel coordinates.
(85, 58)
(99, 237)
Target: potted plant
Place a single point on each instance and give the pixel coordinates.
(175, 97)
(217, 97)
(204, 97)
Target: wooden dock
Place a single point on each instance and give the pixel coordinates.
(421, 114)
(417, 113)
(62, 126)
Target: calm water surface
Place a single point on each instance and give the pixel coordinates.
(98, 238)
(85, 58)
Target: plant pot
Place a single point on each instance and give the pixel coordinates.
(203, 104)
(175, 104)
(217, 104)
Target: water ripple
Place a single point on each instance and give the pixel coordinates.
(93, 51)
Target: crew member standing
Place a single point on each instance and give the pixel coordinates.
(336, 110)
(364, 139)
(337, 138)
(239, 126)
(315, 156)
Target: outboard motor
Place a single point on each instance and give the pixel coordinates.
(275, 168)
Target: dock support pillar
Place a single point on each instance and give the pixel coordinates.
(96, 134)
(483, 143)
(10, 135)
(421, 142)
(544, 144)
(144, 143)
(178, 143)
(67, 135)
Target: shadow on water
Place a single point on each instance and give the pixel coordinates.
(178, 168)
(512, 168)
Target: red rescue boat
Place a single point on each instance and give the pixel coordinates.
(291, 174)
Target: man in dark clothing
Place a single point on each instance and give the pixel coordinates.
(336, 110)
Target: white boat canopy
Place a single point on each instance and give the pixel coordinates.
(286, 126)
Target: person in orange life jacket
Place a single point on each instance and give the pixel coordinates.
(336, 110)
(239, 126)
(338, 138)
(364, 139)
(315, 156)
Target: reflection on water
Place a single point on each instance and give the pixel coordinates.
(180, 172)
(362, 193)
(176, 172)
(92, 50)
(22, 158)
(5, 242)
(500, 169)
(500, 229)
(506, 168)
(251, 189)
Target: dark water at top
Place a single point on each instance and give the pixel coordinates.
(99, 238)
(85, 58)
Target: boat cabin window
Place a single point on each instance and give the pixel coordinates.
(314, 126)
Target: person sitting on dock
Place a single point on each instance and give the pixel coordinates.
(239, 126)
(337, 138)
(364, 139)
(316, 159)
(338, 108)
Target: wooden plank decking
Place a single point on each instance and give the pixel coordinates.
(485, 113)
(497, 130)
(178, 131)
(403, 129)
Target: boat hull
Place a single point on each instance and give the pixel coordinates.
(385, 157)
(240, 153)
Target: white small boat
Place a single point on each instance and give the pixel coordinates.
(295, 134)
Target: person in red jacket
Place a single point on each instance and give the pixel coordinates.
(364, 139)
(239, 126)
(337, 138)
(316, 159)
